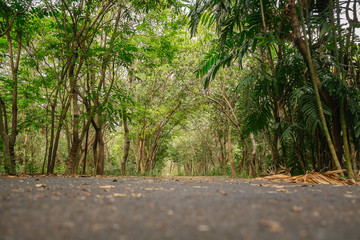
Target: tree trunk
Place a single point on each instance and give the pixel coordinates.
(304, 48)
(52, 132)
(353, 153)
(273, 144)
(140, 143)
(5, 139)
(252, 159)
(336, 133)
(25, 153)
(101, 154)
(232, 165)
(54, 148)
(86, 151)
(46, 148)
(221, 156)
(107, 159)
(14, 65)
(73, 156)
(346, 143)
(126, 146)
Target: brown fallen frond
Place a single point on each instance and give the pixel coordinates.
(329, 177)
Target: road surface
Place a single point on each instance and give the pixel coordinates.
(136, 208)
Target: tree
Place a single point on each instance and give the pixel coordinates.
(13, 20)
(255, 29)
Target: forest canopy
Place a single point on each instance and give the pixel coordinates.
(202, 87)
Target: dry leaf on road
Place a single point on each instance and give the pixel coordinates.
(273, 226)
(107, 186)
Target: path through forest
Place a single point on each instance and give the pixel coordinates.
(128, 208)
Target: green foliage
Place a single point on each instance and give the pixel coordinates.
(132, 64)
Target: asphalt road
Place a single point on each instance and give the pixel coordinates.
(128, 208)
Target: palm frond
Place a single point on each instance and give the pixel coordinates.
(304, 100)
(258, 119)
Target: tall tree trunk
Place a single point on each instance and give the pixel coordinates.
(304, 48)
(53, 149)
(126, 145)
(107, 159)
(336, 133)
(70, 165)
(252, 159)
(221, 155)
(353, 153)
(25, 153)
(126, 129)
(46, 148)
(140, 153)
(273, 144)
(5, 139)
(232, 165)
(74, 157)
(14, 66)
(101, 154)
(52, 133)
(346, 144)
(86, 151)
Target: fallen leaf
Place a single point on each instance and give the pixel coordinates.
(107, 186)
(18, 190)
(223, 193)
(316, 214)
(40, 185)
(274, 201)
(296, 208)
(273, 226)
(349, 196)
(97, 226)
(119, 195)
(137, 195)
(203, 228)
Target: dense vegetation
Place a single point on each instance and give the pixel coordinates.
(206, 87)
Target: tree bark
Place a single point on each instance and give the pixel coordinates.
(53, 148)
(126, 146)
(5, 138)
(231, 156)
(25, 153)
(346, 144)
(86, 151)
(336, 133)
(304, 49)
(252, 159)
(14, 66)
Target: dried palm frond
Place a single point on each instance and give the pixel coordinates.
(329, 177)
